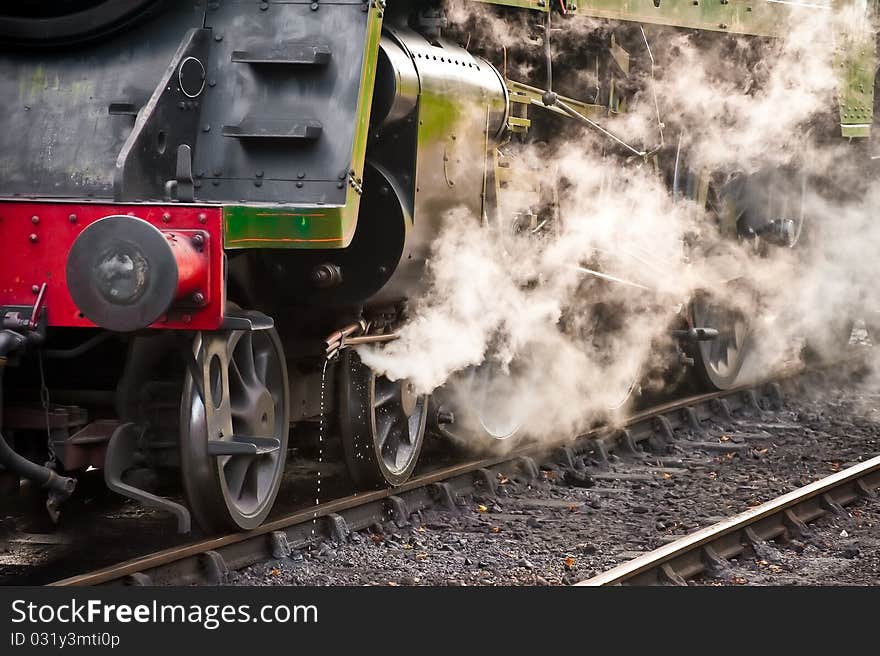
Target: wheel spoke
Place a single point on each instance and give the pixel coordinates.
(236, 377)
(384, 395)
(383, 429)
(261, 362)
(244, 356)
(235, 470)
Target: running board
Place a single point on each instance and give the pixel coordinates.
(241, 445)
(246, 320)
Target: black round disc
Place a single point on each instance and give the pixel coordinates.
(121, 273)
(46, 23)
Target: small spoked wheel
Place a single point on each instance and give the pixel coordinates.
(487, 395)
(382, 424)
(718, 361)
(234, 442)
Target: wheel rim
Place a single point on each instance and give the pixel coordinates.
(245, 379)
(486, 386)
(382, 423)
(719, 360)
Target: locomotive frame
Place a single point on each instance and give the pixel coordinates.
(289, 159)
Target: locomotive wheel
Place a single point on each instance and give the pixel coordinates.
(717, 362)
(382, 423)
(234, 445)
(485, 385)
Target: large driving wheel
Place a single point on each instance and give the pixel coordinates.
(717, 362)
(234, 443)
(382, 424)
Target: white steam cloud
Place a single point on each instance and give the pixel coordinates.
(564, 344)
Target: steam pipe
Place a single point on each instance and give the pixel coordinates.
(59, 486)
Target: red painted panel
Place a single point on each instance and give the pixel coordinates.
(35, 239)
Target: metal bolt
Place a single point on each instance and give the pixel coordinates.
(302, 174)
(206, 128)
(260, 174)
(218, 37)
(33, 237)
(35, 220)
(314, 6)
(340, 185)
(166, 217)
(203, 218)
(218, 173)
(198, 241)
(199, 298)
(186, 318)
(72, 218)
(35, 289)
(299, 185)
(212, 83)
(258, 183)
(264, 6)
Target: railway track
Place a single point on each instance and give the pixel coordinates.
(210, 560)
(707, 549)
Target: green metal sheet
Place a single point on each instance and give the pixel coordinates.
(315, 226)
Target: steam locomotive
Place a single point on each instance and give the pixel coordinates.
(205, 204)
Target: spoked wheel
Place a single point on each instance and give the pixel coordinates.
(717, 362)
(234, 444)
(382, 423)
(484, 413)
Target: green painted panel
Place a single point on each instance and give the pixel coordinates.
(319, 226)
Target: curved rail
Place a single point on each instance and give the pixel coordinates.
(707, 548)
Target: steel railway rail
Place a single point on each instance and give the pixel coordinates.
(708, 548)
(210, 560)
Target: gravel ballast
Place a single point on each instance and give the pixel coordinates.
(573, 523)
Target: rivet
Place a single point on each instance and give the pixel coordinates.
(206, 128)
(33, 237)
(258, 183)
(166, 217)
(186, 318)
(212, 82)
(340, 185)
(260, 174)
(218, 173)
(218, 37)
(35, 289)
(72, 218)
(314, 6)
(203, 218)
(198, 241)
(264, 6)
(198, 298)
(35, 220)
(300, 184)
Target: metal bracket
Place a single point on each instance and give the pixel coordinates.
(120, 456)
